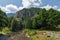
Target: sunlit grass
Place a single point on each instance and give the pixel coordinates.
(6, 30)
(30, 32)
(40, 34)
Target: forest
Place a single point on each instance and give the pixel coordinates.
(31, 19)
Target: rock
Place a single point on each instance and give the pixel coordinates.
(27, 35)
(50, 34)
(44, 33)
(57, 35)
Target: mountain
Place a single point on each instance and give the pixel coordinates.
(27, 12)
(2, 13)
(10, 14)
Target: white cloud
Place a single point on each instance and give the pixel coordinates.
(26, 4)
(47, 7)
(58, 9)
(5, 9)
(20, 8)
(31, 3)
(10, 8)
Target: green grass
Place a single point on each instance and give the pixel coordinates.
(6, 30)
(39, 34)
(30, 32)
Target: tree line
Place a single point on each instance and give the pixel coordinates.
(44, 19)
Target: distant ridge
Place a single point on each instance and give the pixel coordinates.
(10, 14)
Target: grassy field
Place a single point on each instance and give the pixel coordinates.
(38, 34)
(41, 35)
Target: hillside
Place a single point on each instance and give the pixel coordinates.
(27, 12)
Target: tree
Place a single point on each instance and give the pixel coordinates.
(39, 19)
(28, 23)
(16, 24)
(53, 18)
(3, 20)
(34, 22)
(46, 19)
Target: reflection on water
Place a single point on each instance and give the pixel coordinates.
(3, 37)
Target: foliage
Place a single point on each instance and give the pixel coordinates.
(6, 30)
(3, 19)
(31, 18)
(28, 23)
(16, 24)
(46, 19)
(30, 32)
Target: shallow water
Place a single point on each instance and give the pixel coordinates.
(4, 37)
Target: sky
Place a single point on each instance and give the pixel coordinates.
(12, 6)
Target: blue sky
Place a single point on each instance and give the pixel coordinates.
(7, 2)
(51, 2)
(12, 6)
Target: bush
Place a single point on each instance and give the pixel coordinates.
(30, 32)
(6, 30)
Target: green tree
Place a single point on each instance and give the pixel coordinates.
(53, 18)
(28, 23)
(3, 19)
(16, 24)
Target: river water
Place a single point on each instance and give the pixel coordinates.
(4, 37)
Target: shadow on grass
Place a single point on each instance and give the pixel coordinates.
(52, 29)
(47, 29)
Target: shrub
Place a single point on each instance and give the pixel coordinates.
(6, 30)
(30, 32)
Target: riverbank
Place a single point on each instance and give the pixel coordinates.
(30, 34)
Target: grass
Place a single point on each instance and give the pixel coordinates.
(57, 32)
(42, 37)
(30, 32)
(35, 34)
(6, 30)
(39, 34)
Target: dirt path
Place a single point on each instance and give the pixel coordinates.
(18, 36)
